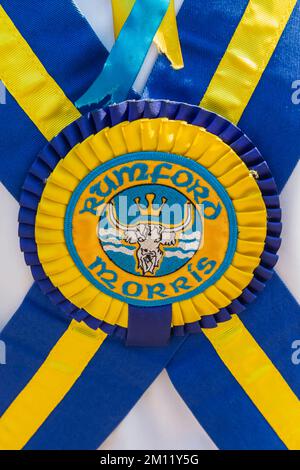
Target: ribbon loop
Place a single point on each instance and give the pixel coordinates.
(128, 54)
(166, 38)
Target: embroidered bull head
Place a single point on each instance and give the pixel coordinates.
(149, 237)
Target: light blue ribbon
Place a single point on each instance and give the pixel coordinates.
(128, 54)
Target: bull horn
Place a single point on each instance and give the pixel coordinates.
(112, 216)
(186, 220)
(100, 210)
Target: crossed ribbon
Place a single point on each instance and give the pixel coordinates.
(60, 375)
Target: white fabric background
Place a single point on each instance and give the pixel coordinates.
(160, 420)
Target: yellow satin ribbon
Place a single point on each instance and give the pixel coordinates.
(246, 57)
(166, 39)
(56, 376)
(259, 378)
(30, 84)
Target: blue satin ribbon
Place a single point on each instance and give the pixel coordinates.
(91, 411)
(127, 55)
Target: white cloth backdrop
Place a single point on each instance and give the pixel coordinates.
(160, 420)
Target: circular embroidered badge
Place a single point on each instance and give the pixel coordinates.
(151, 228)
(150, 204)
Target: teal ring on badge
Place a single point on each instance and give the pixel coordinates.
(170, 158)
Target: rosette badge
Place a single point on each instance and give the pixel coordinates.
(150, 210)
